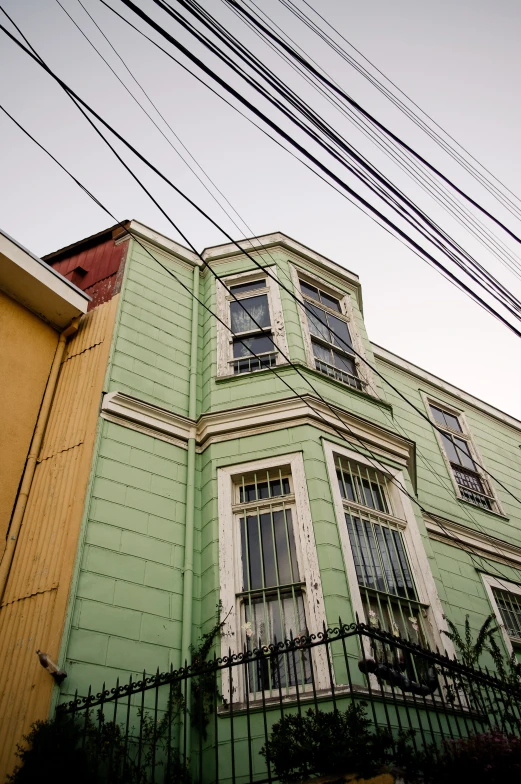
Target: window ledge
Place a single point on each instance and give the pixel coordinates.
(482, 509)
(303, 367)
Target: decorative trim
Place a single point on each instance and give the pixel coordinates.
(249, 420)
(384, 355)
(503, 585)
(457, 535)
(425, 584)
(363, 369)
(465, 435)
(224, 336)
(230, 548)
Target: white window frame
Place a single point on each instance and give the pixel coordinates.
(363, 370)
(230, 565)
(466, 436)
(225, 337)
(405, 519)
(502, 585)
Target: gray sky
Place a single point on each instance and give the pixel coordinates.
(460, 61)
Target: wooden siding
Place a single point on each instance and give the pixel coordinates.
(33, 611)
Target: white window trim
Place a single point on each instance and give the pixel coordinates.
(363, 370)
(224, 336)
(401, 503)
(502, 585)
(230, 557)
(465, 435)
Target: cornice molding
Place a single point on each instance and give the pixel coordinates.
(253, 419)
(477, 542)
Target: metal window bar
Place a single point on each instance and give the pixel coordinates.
(339, 375)
(472, 487)
(249, 364)
(509, 605)
(364, 486)
(272, 599)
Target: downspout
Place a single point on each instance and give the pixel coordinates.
(188, 569)
(34, 451)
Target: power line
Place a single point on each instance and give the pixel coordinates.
(366, 449)
(71, 93)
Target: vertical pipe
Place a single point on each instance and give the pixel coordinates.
(188, 569)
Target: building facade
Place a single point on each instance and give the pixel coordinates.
(245, 443)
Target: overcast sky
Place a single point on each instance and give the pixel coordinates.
(458, 59)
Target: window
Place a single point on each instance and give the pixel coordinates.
(331, 340)
(383, 572)
(472, 485)
(505, 599)
(253, 311)
(269, 569)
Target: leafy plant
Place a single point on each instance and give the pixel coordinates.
(205, 691)
(323, 744)
(471, 650)
(485, 758)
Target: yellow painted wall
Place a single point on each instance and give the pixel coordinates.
(33, 609)
(27, 347)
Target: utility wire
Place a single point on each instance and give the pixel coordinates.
(303, 61)
(70, 92)
(366, 449)
(299, 14)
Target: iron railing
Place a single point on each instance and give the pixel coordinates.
(208, 722)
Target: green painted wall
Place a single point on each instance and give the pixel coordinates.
(126, 612)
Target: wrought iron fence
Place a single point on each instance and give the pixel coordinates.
(207, 723)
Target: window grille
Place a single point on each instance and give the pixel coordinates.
(471, 485)
(509, 605)
(272, 595)
(251, 327)
(330, 337)
(384, 576)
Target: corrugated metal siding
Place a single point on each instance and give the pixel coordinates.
(35, 601)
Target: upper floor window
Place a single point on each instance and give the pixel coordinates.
(458, 448)
(331, 340)
(251, 307)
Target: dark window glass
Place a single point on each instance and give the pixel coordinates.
(339, 333)
(268, 549)
(318, 324)
(250, 314)
(257, 344)
(346, 485)
(450, 449)
(253, 285)
(330, 302)
(379, 557)
(309, 291)
(344, 363)
(445, 419)
(510, 608)
(262, 490)
(463, 451)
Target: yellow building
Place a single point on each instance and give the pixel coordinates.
(53, 357)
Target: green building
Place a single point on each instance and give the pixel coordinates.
(253, 448)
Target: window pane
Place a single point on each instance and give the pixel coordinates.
(245, 313)
(344, 363)
(438, 415)
(258, 344)
(445, 419)
(254, 553)
(371, 495)
(345, 482)
(268, 552)
(322, 353)
(452, 421)
(510, 608)
(340, 329)
(449, 447)
(240, 288)
(330, 302)
(255, 492)
(309, 291)
(281, 543)
(317, 323)
(463, 451)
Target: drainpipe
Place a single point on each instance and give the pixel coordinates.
(34, 451)
(188, 569)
